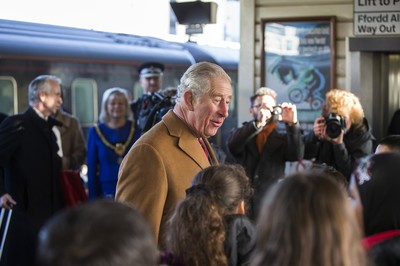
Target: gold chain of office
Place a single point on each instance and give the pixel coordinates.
(118, 148)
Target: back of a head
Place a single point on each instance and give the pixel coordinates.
(197, 228)
(305, 220)
(390, 143)
(101, 232)
(331, 172)
(229, 182)
(379, 185)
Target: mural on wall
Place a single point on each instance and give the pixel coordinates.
(298, 62)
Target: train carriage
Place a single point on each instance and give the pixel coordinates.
(89, 62)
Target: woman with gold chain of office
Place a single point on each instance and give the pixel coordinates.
(108, 143)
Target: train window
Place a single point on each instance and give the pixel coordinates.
(8, 95)
(84, 101)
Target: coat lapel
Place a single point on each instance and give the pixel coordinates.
(44, 126)
(38, 122)
(187, 142)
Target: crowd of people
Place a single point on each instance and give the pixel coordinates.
(159, 195)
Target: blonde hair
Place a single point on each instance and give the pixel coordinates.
(104, 116)
(343, 102)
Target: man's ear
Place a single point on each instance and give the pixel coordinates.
(189, 100)
(42, 95)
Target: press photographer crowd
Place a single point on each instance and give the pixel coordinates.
(159, 191)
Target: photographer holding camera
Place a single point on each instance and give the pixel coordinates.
(260, 148)
(341, 135)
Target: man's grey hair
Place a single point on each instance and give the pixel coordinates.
(38, 84)
(262, 92)
(197, 79)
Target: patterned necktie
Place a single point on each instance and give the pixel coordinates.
(203, 145)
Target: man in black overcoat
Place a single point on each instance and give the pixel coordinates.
(261, 148)
(30, 155)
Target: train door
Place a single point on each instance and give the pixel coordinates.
(393, 85)
(375, 78)
(386, 91)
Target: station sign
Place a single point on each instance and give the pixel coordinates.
(376, 17)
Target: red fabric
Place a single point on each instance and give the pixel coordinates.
(263, 135)
(369, 242)
(72, 185)
(203, 145)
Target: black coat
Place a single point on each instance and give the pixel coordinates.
(28, 154)
(357, 143)
(149, 109)
(240, 240)
(268, 167)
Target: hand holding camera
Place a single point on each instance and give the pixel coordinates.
(285, 112)
(288, 113)
(331, 128)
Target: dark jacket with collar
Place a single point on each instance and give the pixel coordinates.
(357, 143)
(267, 167)
(28, 154)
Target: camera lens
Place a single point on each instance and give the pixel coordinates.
(333, 129)
(277, 110)
(334, 125)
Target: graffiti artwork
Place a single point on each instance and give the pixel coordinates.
(298, 62)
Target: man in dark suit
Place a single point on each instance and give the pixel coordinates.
(260, 148)
(30, 154)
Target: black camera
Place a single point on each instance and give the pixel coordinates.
(276, 110)
(334, 125)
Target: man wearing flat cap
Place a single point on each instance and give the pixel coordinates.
(150, 74)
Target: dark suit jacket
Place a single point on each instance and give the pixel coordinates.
(28, 154)
(266, 168)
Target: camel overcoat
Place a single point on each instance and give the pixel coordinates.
(159, 168)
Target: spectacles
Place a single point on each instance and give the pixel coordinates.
(263, 105)
(259, 105)
(276, 110)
